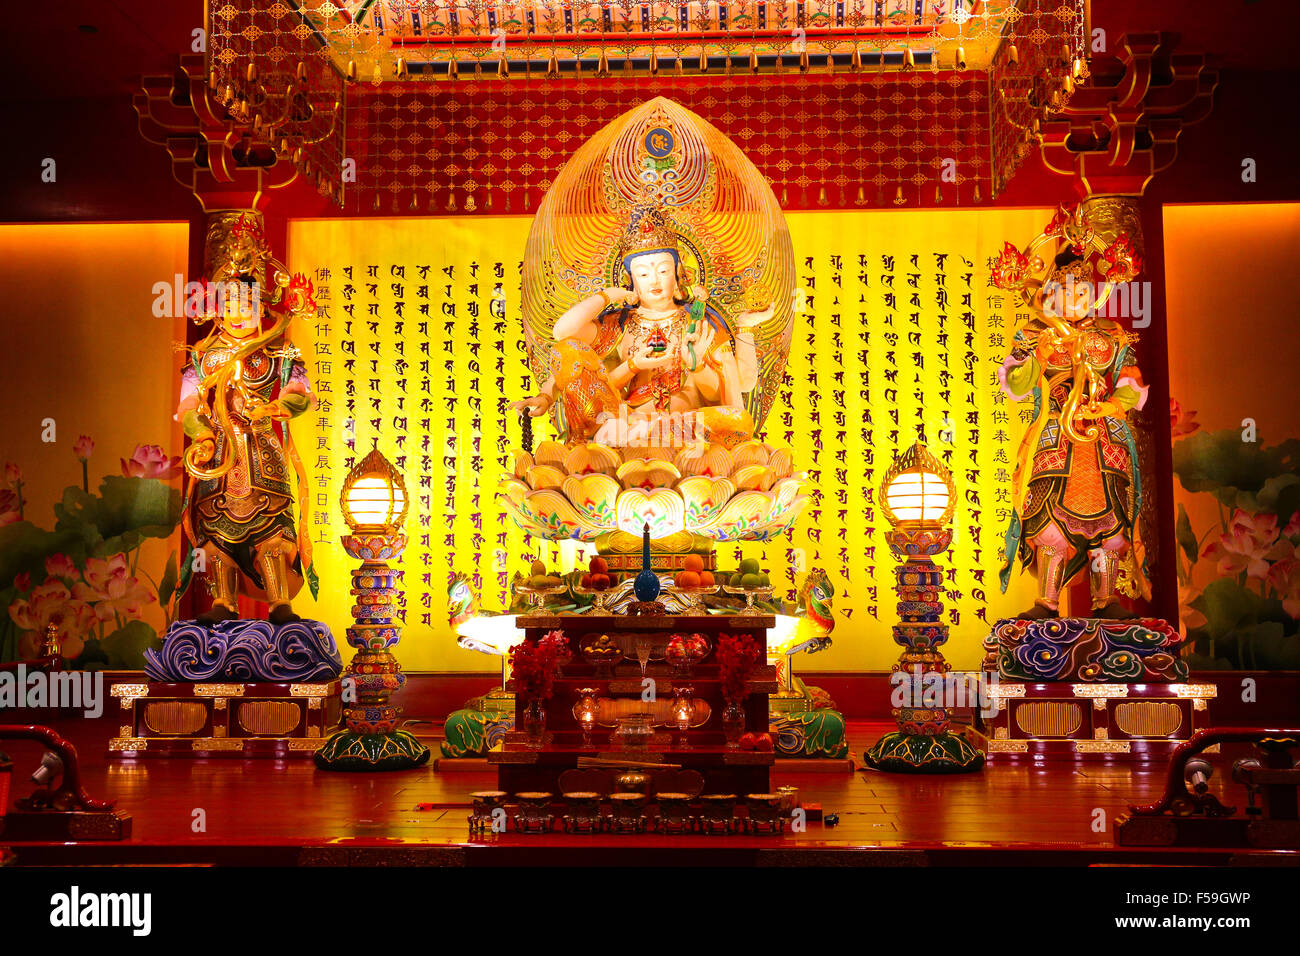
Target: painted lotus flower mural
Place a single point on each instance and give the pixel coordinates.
(1239, 580)
(81, 581)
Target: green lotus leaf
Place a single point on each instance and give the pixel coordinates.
(125, 647)
(124, 513)
(1214, 460)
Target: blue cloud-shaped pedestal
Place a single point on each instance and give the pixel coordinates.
(245, 651)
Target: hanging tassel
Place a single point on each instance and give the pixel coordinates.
(909, 61)
(978, 197)
(452, 70)
(677, 66)
(803, 60)
(302, 72)
(961, 58)
(862, 196)
(352, 70)
(552, 67)
(654, 62)
(821, 197)
(898, 197)
(251, 73)
(602, 65)
(704, 63)
(855, 61)
(830, 63)
(401, 70)
(503, 71)
(1013, 55)
(753, 61)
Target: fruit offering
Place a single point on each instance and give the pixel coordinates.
(539, 577)
(749, 576)
(684, 650)
(693, 574)
(760, 742)
(597, 577)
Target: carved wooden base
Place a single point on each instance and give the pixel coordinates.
(240, 720)
(1072, 721)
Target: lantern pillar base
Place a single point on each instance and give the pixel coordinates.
(945, 752)
(349, 750)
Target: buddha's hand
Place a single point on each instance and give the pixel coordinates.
(271, 410)
(646, 359)
(748, 320)
(619, 296)
(535, 404)
(695, 347)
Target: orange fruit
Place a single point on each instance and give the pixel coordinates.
(688, 579)
(693, 562)
(706, 579)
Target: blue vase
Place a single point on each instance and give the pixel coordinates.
(646, 586)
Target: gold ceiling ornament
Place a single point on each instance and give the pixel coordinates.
(706, 196)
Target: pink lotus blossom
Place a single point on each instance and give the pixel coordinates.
(1188, 616)
(1245, 546)
(23, 582)
(9, 507)
(1284, 576)
(61, 566)
(110, 587)
(1292, 528)
(13, 474)
(83, 448)
(1181, 422)
(150, 461)
(52, 604)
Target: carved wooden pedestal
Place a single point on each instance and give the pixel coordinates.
(261, 719)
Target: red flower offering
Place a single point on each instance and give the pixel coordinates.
(737, 657)
(534, 665)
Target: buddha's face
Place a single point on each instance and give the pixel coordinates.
(654, 279)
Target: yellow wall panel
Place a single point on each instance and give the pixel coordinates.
(418, 342)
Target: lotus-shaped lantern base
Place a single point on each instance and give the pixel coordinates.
(690, 497)
(944, 752)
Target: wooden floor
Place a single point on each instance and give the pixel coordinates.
(288, 813)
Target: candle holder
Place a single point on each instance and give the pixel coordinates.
(717, 813)
(585, 712)
(583, 812)
(484, 807)
(674, 813)
(534, 814)
(683, 714)
(764, 813)
(373, 503)
(627, 812)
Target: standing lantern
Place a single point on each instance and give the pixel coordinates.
(374, 505)
(918, 498)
